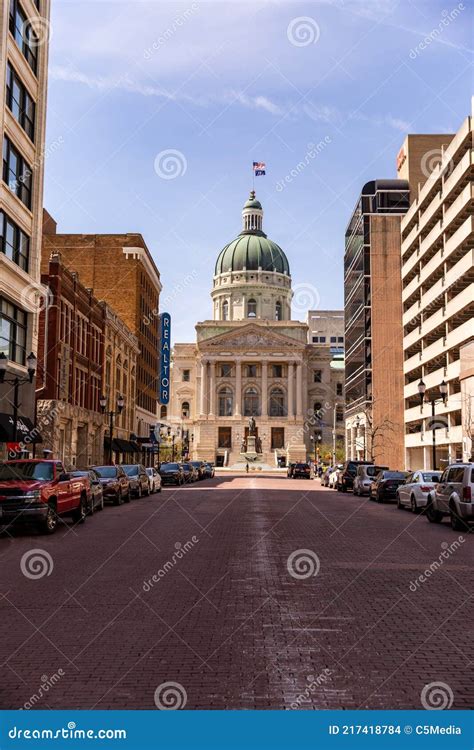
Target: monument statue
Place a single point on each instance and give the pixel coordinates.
(252, 426)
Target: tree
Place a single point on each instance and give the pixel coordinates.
(377, 434)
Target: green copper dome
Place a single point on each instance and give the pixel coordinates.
(252, 251)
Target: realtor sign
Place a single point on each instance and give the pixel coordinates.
(165, 357)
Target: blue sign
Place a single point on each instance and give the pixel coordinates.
(165, 358)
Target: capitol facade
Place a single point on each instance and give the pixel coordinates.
(253, 388)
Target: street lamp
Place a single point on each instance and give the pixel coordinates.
(32, 364)
(111, 415)
(443, 389)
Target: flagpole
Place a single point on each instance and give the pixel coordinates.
(253, 178)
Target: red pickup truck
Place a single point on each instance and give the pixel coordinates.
(40, 491)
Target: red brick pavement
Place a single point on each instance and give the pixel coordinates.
(227, 621)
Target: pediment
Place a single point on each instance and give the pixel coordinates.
(252, 338)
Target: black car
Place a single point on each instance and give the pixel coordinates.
(95, 497)
(384, 487)
(290, 470)
(190, 473)
(348, 472)
(301, 470)
(115, 484)
(200, 467)
(209, 470)
(138, 478)
(171, 473)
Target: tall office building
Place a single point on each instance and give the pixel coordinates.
(438, 296)
(23, 77)
(373, 329)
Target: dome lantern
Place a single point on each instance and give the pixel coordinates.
(252, 216)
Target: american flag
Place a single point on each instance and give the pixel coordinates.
(259, 168)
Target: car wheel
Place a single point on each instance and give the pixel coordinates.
(433, 515)
(413, 505)
(457, 524)
(101, 504)
(379, 497)
(50, 523)
(79, 515)
(400, 506)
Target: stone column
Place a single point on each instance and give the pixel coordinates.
(203, 405)
(291, 411)
(264, 389)
(212, 389)
(238, 388)
(299, 390)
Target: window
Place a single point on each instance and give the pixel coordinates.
(252, 308)
(318, 409)
(278, 311)
(186, 375)
(340, 339)
(225, 370)
(224, 437)
(16, 172)
(25, 37)
(339, 415)
(163, 412)
(251, 403)
(13, 242)
(277, 403)
(333, 340)
(278, 438)
(317, 376)
(338, 389)
(20, 103)
(225, 310)
(12, 331)
(185, 410)
(225, 402)
(277, 371)
(251, 371)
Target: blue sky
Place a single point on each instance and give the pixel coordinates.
(220, 84)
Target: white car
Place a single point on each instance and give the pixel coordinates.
(416, 488)
(453, 496)
(332, 480)
(154, 479)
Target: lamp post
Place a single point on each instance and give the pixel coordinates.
(31, 363)
(443, 389)
(318, 438)
(111, 415)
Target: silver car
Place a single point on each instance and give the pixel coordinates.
(416, 489)
(453, 496)
(364, 478)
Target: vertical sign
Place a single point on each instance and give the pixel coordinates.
(165, 357)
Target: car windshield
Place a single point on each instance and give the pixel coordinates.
(149, 472)
(186, 467)
(79, 473)
(106, 472)
(197, 464)
(130, 471)
(394, 475)
(170, 467)
(302, 466)
(431, 477)
(18, 470)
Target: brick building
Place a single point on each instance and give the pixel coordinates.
(121, 271)
(70, 368)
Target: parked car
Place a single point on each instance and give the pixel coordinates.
(302, 470)
(209, 469)
(171, 473)
(191, 474)
(40, 491)
(325, 476)
(364, 477)
(384, 486)
(95, 495)
(154, 479)
(345, 479)
(453, 496)
(115, 483)
(290, 470)
(334, 475)
(138, 479)
(413, 493)
(200, 468)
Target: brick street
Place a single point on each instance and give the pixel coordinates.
(228, 621)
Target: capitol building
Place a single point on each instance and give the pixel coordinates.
(256, 386)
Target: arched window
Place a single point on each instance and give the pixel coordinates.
(185, 410)
(278, 311)
(251, 403)
(225, 402)
(277, 403)
(318, 409)
(163, 412)
(252, 308)
(225, 310)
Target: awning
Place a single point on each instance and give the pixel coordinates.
(120, 446)
(26, 432)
